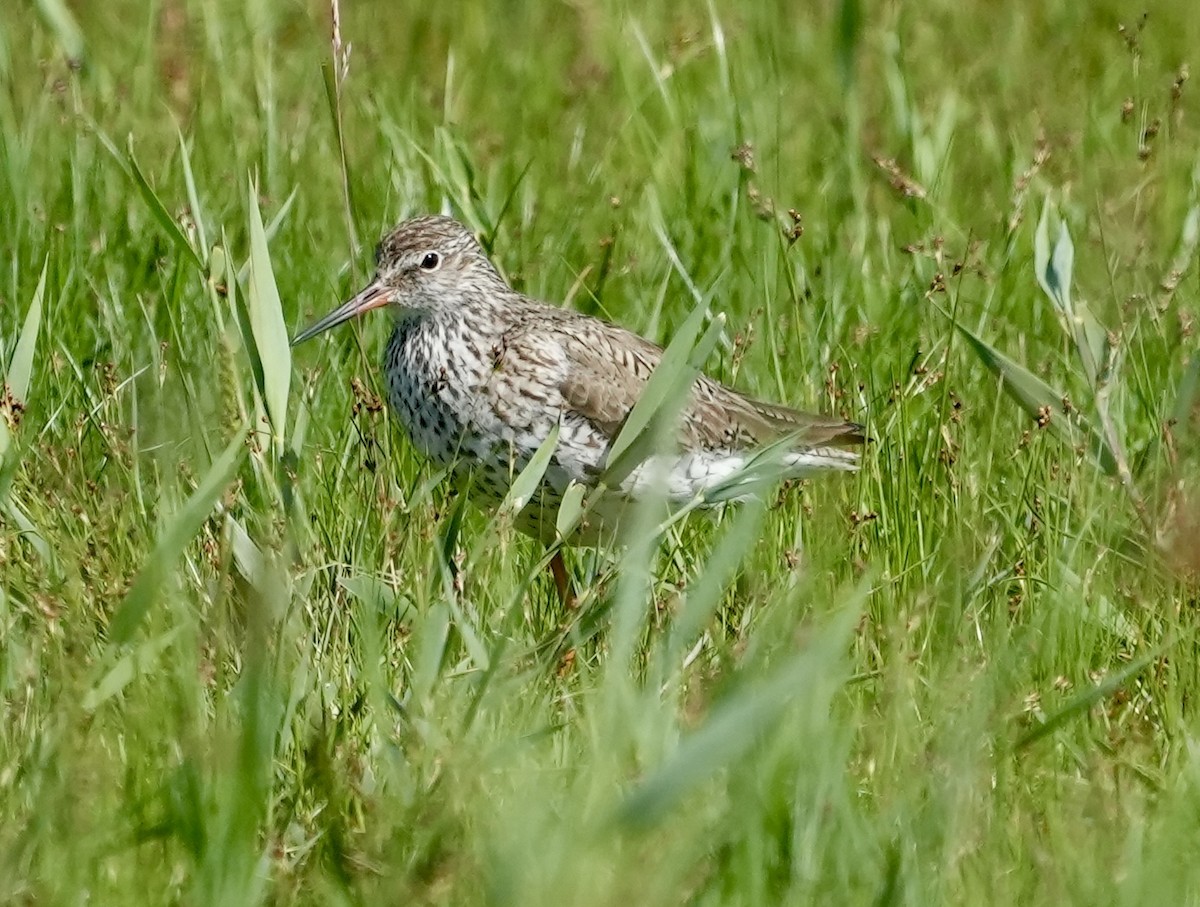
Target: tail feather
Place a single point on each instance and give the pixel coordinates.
(812, 429)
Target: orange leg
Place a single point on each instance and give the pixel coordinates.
(562, 581)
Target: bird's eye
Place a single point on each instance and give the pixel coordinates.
(431, 261)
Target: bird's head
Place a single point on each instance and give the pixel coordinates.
(427, 264)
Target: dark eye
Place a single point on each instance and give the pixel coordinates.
(431, 262)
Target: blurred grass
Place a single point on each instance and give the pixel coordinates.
(919, 685)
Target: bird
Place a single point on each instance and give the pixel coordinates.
(480, 376)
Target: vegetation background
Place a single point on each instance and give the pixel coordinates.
(253, 651)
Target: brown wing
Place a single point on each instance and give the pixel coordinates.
(607, 370)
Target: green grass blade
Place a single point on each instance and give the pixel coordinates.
(159, 211)
(705, 592)
(1091, 344)
(471, 638)
(182, 529)
(665, 394)
(430, 637)
(240, 315)
(1185, 397)
(267, 326)
(26, 528)
(1048, 262)
(246, 554)
(848, 38)
(1055, 266)
(526, 483)
(1184, 257)
(64, 26)
(570, 509)
(1083, 702)
(19, 373)
(128, 668)
(273, 226)
(666, 376)
(737, 723)
(189, 181)
(1041, 401)
(20, 367)
(333, 99)
(375, 594)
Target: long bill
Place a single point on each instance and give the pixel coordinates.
(372, 296)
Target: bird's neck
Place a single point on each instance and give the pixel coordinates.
(441, 330)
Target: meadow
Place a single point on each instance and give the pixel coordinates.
(254, 650)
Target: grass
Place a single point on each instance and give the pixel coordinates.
(252, 650)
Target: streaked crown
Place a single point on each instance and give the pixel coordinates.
(433, 252)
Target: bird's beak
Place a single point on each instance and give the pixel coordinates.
(370, 297)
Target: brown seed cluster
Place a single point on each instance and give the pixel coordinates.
(363, 398)
(11, 408)
(898, 179)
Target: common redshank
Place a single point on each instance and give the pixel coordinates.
(480, 375)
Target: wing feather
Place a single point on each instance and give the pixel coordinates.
(606, 370)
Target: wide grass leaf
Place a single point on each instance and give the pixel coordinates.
(570, 509)
(1185, 398)
(183, 528)
(738, 723)
(60, 19)
(267, 325)
(128, 668)
(664, 396)
(20, 367)
(528, 479)
(705, 593)
(375, 594)
(1041, 401)
(1055, 267)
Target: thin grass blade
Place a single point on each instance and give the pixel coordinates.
(189, 182)
(159, 211)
